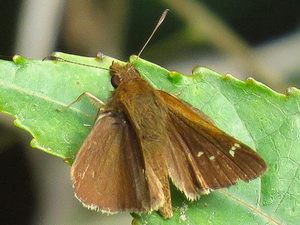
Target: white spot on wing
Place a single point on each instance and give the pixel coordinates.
(212, 157)
(237, 145)
(233, 148)
(199, 154)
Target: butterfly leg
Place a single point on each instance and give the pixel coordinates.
(91, 97)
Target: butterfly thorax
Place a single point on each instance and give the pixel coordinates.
(141, 104)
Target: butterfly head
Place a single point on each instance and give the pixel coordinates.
(120, 73)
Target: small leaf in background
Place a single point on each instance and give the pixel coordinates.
(31, 91)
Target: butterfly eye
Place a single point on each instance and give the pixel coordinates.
(115, 81)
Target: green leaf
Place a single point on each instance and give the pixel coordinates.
(32, 90)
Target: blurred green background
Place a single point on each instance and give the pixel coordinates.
(255, 38)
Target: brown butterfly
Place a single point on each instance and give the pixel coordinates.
(144, 137)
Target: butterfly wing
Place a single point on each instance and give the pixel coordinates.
(109, 172)
(203, 157)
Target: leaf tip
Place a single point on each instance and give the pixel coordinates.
(228, 76)
(292, 91)
(133, 58)
(19, 59)
(175, 77)
(198, 70)
(250, 80)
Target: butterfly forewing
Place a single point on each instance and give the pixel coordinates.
(212, 158)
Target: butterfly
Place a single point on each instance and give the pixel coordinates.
(144, 137)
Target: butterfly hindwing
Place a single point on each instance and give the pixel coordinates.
(115, 150)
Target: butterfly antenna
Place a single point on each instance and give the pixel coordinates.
(161, 19)
(55, 58)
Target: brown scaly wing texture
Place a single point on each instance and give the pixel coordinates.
(212, 158)
(109, 175)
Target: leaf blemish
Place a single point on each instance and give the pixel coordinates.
(182, 211)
